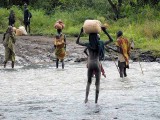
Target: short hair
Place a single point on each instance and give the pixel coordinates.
(119, 33)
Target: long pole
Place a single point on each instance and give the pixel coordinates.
(132, 45)
(140, 65)
(114, 62)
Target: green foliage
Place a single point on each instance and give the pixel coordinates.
(140, 24)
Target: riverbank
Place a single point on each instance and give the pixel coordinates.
(39, 49)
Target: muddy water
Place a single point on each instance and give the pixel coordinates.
(41, 92)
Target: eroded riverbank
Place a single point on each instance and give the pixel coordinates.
(39, 49)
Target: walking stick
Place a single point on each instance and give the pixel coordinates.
(114, 62)
(132, 46)
(112, 59)
(140, 65)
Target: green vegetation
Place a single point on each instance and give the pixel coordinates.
(142, 24)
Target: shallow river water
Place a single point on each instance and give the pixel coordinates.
(41, 92)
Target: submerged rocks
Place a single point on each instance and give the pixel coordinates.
(158, 60)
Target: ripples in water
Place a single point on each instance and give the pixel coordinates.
(41, 91)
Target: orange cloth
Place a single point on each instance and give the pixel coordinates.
(124, 44)
(60, 50)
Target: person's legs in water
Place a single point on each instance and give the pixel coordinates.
(5, 63)
(12, 64)
(57, 62)
(125, 74)
(98, 76)
(121, 69)
(62, 64)
(90, 73)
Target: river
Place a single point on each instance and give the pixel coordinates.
(42, 92)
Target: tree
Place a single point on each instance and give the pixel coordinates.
(145, 2)
(116, 8)
(3, 3)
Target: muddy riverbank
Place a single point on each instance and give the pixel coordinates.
(39, 49)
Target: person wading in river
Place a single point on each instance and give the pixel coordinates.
(123, 50)
(9, 44)
(93, 60)
(102, 53)
(60, 47)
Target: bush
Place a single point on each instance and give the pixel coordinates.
(142, 25)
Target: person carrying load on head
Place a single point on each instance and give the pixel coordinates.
(93, 57)
(9, 44)
(123, 50)
(60, 43)
(102, 45)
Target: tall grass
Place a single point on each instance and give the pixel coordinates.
(142, 25)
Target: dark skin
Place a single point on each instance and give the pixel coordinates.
(93, 65)
(10, 31)
(122, 70)
(27, 19)
(85, 51)
(59, 31)
(11, 18)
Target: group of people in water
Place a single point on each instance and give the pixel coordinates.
(96, 53)
(94, 49)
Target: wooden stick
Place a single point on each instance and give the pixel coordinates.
(114, 62)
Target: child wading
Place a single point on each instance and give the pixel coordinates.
(93, 60)
(101, 53)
